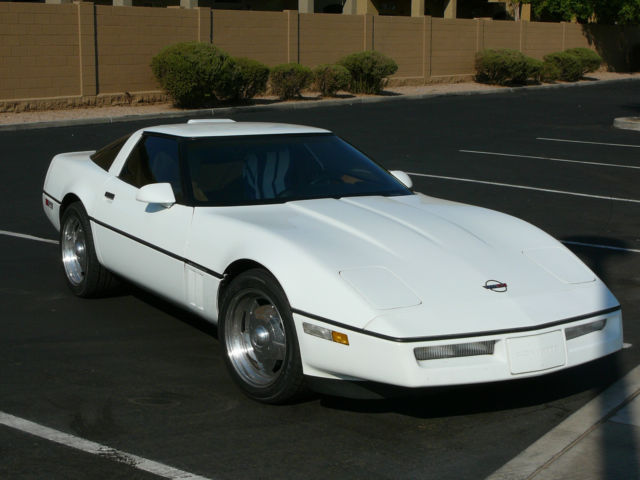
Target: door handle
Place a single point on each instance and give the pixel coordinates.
(110, 195)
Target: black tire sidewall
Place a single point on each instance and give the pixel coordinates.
(88, 286)
(290, 382)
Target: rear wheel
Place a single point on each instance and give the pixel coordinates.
(259, 338)
(83, 272)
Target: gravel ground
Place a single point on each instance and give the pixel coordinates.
(142, 109)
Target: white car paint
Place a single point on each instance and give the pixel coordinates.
(394, 273)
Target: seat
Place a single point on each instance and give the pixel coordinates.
(265, 176)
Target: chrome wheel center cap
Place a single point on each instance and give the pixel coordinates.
(260, 336)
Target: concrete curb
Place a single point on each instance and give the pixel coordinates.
(627, 123)
(554, 444)
(209, 112)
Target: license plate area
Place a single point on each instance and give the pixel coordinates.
(534, 353)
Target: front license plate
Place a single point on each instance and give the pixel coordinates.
(536, 352)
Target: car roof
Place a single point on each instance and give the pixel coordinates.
(226, 128)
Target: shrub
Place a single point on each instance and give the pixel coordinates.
(368, 71)
(569, 66)
(252, 78)
(533, 69)
(589, 59)
(289, 79)
(503, 66)
(194, 74)
(550, 72)
(328, 79)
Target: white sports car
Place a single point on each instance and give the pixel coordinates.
(318, 265)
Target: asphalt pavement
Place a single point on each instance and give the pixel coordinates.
(139, 377)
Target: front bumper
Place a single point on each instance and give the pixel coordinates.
(515, 355)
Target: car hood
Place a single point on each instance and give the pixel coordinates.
(415, 266)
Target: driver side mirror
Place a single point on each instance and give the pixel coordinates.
(403, 177)
(159, 193)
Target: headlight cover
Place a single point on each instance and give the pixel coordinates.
(562, 264)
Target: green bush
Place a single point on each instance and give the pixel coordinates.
(328, 79)
(368, 71)
(550, 72)
(195, 74)
(289, 79)
(569, 66)
(252, 78)
(503, 66)
(589, 59)
(533, 69)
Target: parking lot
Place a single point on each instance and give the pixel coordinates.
(134, 374)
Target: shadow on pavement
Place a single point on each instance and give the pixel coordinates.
(488, 397)
(611, 436)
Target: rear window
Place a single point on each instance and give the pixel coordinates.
(105, 156)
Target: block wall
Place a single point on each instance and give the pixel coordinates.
(262, 36)
(502, 34)
(401, 38)
(538, 39)
(325, 38)
(127, 38)
(39, 50)
(454, 44)
(83, 50)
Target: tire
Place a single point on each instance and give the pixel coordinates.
(85, 276)
(259, 339)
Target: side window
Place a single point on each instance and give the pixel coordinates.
(154, 160)
(106, 155)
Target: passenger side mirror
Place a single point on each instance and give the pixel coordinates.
(403, 177)
(161, 193)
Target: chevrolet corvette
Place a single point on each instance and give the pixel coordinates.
(320, 266)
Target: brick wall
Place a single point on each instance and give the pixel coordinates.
(84, 50)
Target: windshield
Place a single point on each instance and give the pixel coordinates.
(279, 168)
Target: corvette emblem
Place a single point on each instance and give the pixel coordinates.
(495, 286)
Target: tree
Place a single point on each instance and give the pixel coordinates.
(625, 12)
(622, 12)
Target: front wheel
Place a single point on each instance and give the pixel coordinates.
(83, 272)
(259, 338)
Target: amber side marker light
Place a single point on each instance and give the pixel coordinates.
(325, 333)
(340, 338)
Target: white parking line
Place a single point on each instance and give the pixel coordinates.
(94, 448)
(28, 237)
(525, 187)
(574, 429)
(607, 247)
(590, 143)
(600, 164)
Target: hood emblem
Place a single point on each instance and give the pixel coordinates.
(495, 286)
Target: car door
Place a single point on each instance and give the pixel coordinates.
(145, 242)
